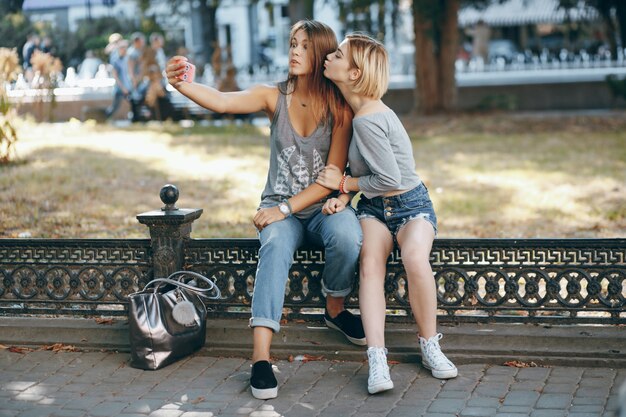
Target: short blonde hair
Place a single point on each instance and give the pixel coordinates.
(371, 58)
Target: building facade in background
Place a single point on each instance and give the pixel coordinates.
(252, 35)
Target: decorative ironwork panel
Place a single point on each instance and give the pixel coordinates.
(529, 280)
(63, 276)
(532, 280)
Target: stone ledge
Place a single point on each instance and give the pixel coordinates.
(575, 345)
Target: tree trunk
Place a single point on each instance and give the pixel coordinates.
(447, 55)
(426, 71)
(299, 10)
(436, 43)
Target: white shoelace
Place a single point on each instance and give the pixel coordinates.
(433, 353)
(377, 358)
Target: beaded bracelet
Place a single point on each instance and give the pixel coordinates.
(342, 183)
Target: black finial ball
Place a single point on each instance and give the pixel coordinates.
(169, 195)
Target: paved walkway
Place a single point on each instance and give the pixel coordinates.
(67, 384)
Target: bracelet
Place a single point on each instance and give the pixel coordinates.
(342, 184)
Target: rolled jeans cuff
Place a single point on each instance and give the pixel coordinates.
(264, 322)
(335, 293)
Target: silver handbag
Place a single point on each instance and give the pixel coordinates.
(167, 319)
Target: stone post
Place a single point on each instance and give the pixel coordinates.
(170, 229)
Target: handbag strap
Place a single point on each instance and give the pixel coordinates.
(202, 292)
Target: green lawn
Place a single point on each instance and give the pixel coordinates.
(489, 176)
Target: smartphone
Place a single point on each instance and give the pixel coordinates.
(189, 74)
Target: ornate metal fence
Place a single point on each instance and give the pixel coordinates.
(477, 279)
(525, 280)
(62, 276)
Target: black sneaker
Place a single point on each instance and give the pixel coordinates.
(348, 324)
(262, 381)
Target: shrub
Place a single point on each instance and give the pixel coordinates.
(9, 69)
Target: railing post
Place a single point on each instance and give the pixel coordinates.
(170, 228)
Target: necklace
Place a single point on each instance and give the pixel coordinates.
(303, 104)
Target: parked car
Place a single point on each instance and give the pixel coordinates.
(502, 48)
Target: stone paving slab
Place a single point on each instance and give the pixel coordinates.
(82, 384)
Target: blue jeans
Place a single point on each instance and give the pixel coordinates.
(340, 235)
(118, 97)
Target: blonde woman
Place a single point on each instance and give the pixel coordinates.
(394, 207)
(311, 126)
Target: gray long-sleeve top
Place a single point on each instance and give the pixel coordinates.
(381, 155)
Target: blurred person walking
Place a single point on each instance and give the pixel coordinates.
(123, 83)
(136, 73)
(32, 43)
(481, 34)
(156, 43)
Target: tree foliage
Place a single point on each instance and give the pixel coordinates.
(369, 16)
(9, 69)
(93, 35)
(205, 9)
(10, 6)
(14, 27)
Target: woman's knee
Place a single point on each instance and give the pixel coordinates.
(372, 268)
(278, 241)
(345, 236)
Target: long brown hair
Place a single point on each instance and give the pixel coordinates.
(327, 97)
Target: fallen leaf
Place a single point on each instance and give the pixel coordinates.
(520, 364)
(393, 362)
(3, 347)
(197, 400)
(290, 358)
(100, 320)
(22, 350)
(60, 347)
(313, 342)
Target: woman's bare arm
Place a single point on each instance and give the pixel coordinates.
(252, 100)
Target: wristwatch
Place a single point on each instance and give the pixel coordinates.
(285, 209)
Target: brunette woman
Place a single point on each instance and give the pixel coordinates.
(311, 126)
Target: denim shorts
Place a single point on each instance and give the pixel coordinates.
(396, 211)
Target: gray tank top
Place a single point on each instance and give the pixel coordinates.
(295, 161)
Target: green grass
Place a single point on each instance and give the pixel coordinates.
(489, 176)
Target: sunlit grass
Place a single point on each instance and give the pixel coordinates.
(489, 176)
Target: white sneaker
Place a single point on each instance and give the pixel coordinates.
(434, 359)
(379, 379)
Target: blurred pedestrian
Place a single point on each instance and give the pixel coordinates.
(88, 68)
(228, 83)
(136, 72)
(32, 43)
(111, 48)
(123, 84)
(480, 33)
(156, 43)
(46, 45)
